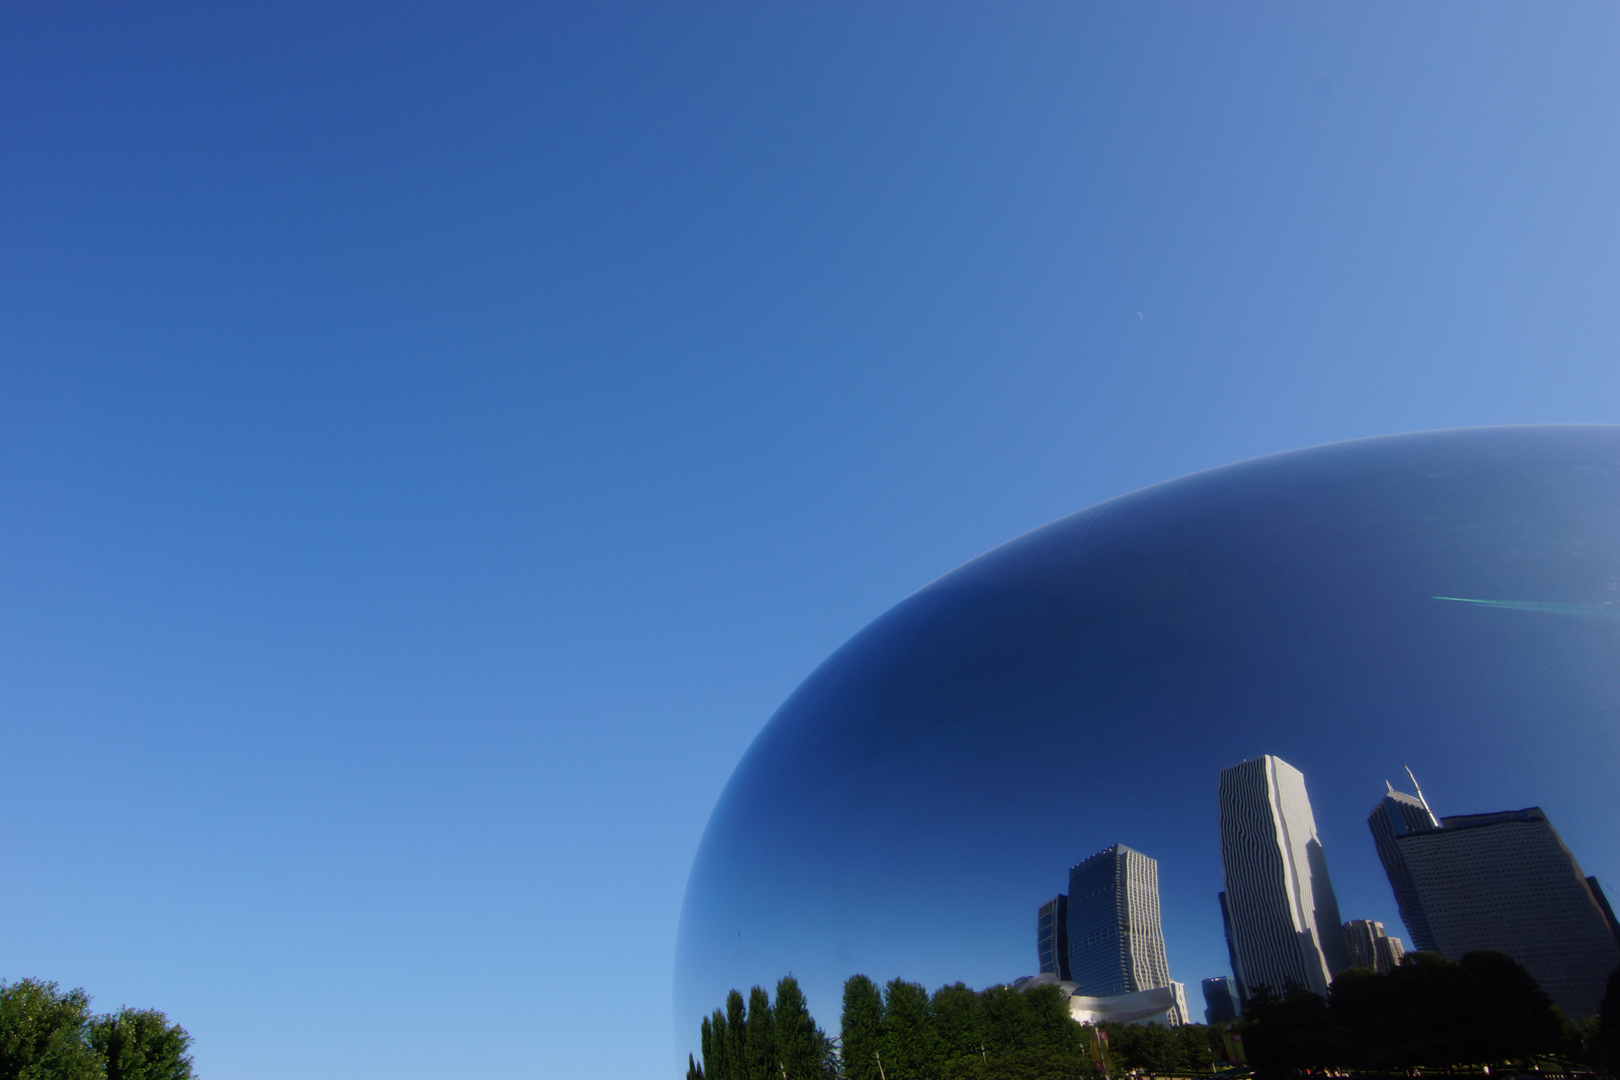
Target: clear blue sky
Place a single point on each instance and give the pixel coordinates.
(434, 438)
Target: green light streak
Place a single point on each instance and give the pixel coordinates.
(1545, 607)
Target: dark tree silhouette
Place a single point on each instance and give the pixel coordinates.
(1428, 1012)
(1603, 1045)
(861, 1029)
(141, 1044)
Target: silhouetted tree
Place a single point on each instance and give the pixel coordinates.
(1603, 1041)
(1287, 1034)
(1509, 1016)
(1006, 1019)
(761, 1041)
(736, 1037)
(1149, 1047)
(1365, 1029)
(716, 1062)
(910, 1045)
(141, 1044)
(1428, 1012)
(1050, 1027)
(861, 1029)
(802, 1048)
(958, 1022)
(693, 1070)
(1156, 1048)
(43, 1033)
(1030, 1035)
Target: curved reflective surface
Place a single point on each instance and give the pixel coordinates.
(909, 807)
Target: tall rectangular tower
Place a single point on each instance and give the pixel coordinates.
(1285, 921)
(1507, 882)
(1220, 1001)
(1115, 943)
(1395, 816)
(1052, 936)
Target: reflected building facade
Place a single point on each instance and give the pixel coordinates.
(1603, 902)
(1231, 952)
(1221, 1004)
(1052, 937)
(1396, 815)
(1388, 952)
(1369, 947)
(1284, 918)
(1166, 1005)
(1116, 945)
(1507, 882)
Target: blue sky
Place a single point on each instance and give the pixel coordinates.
(434, 439)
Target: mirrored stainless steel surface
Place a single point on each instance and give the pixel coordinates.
(911, 805)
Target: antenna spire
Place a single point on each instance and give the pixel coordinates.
(1418, 788)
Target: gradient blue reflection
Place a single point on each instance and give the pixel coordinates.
(1440, 600)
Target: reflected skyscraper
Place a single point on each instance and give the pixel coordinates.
(1231, 952)
(1603, 902)
(1284, 918)
(1396, 815)
(1220, 1001)
(1052, 937)
(1506, 882)
(1370, 947)
(1116, 945)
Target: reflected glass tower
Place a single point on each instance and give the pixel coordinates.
(1506, 881)
(1220, 1001)
(1116, 945)
(1052, 937)
(1396, 815)
(1284, 917)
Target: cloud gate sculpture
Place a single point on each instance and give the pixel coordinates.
(1445, 600)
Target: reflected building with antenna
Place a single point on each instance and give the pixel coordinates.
(1397, 815)
(1507, 882)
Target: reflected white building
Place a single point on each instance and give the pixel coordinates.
(1165, 1005)
(1284, 919)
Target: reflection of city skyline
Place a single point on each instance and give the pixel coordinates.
(1500, 881)
(905, 811)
